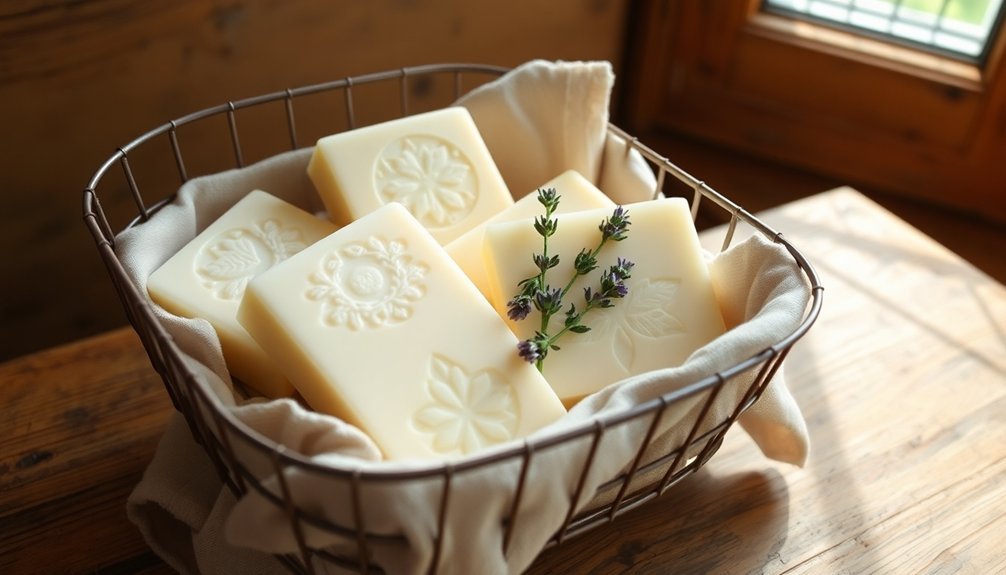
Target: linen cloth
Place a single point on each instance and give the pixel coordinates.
(539, 120)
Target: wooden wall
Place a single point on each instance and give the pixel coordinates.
(78, 79)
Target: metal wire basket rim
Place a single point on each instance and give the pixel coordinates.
(368, 470)
(349, 81)
(358, 476)
(519, 449)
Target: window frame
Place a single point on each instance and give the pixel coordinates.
(979, 60)
(873, 113)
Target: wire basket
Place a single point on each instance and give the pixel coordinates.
(227, 441)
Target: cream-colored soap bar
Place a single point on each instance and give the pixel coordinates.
(207, 277)
(669, 311)
(377, 325)
(577, 193)
(435, 164)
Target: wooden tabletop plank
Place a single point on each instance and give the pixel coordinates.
(903, 385)
(902, 382)
(80, 424)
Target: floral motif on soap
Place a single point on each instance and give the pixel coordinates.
(644, 312)
(368, 284)
(467, 411)
(231, 259)
(431, 177)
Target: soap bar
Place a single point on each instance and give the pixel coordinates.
(577, 193)
(376, 324)
(435, 164)
(207, 278)
(669, 312)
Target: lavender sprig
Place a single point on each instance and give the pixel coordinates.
(535, 292)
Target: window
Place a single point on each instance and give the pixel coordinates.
(956, 28)
(841, 100)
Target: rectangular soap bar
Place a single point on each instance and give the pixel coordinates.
(207, 278)
(669, 311)
(577, 193)
(435, 164)
(376, 324)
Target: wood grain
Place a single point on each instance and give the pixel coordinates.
(903, 385)
(759, 185)
(80, 424)
(902, 382)
(78, 79)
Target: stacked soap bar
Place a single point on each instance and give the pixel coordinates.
(207, 278)
(377, 325)
(435, 164)
(669, 311)
(577, 194)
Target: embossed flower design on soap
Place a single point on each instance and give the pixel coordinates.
(645, 312)
(226, 263)
(368, 284)
(467, 411)
(431, 177)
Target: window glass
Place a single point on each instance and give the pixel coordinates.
(959, 28)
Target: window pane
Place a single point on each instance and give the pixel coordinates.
(959, 28)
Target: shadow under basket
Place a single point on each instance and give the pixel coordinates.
(230, 444)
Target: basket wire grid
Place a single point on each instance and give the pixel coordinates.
(232, 446)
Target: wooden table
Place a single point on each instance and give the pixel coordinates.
(902, 382)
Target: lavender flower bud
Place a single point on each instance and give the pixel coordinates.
(620, 290)
(616, 226)
(548, 301)
(608, 280)
(622, 268)
(528, 351)
(519, 307)
(584, 262)
(545, 226)
(548, 198)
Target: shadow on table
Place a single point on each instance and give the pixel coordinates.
(709, 523)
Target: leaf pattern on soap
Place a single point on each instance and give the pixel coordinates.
(234, 259)
(229, 261)
(432, 178)
(367, 284)
(644, 312)
(466, 412)
(283, 242)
